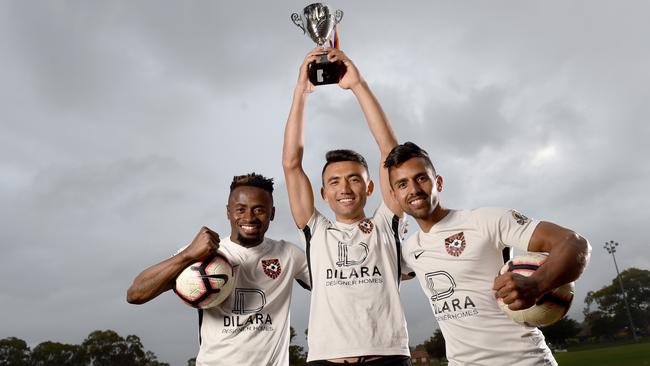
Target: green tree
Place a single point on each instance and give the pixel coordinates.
(610, 314)
(435, 346)
(557, 334)
(107, 348)
(14, 352)
(191, 361)
(600, 325)
(59, 354)
(296, 352)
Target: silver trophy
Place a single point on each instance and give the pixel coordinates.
(318, 22)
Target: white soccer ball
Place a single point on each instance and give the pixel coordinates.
(552, 307)
(206, 284)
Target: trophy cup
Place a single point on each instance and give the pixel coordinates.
(318, 22)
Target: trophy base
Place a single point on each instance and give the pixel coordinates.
(322, 73)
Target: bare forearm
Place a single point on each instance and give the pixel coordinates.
(293, 148)
(566, 262)
(567, 259)
(376, 118)
(156, 279)
(301, 197)
(384, 135)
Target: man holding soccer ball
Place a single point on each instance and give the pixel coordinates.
(457, 254)
(251, 327)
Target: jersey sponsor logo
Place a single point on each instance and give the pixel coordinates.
(417, 255)
(247, 306)
(271, 267)
(353, 276)
(441, 285)
(352, 255)
(352, 273)
(445, 307)
(241, 321)
(455, 244)
(248, 300)
(366, 226)
(520, 218)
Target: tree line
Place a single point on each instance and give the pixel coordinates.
(100, 348)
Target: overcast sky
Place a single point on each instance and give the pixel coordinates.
(122, 124)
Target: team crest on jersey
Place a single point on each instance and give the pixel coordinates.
(271, 267)
(455, 244)
(366, 226)
(520, 218)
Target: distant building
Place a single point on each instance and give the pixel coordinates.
(420, 358)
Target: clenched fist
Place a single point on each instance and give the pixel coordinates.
(205, 243)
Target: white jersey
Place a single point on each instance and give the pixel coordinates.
(456, 263)
(355, 307)
(251, 327)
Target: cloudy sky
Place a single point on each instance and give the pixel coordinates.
(122, 123)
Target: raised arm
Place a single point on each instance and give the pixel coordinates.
(377, 120)
(568, 256)
(160, 277)
(301, 195)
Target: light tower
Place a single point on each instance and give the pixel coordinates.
(610, 246)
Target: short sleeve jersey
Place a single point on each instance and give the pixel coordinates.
(355, 308)
(251, 327)
(456, 263)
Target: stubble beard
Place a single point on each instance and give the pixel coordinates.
(249, 243)
(424, 213)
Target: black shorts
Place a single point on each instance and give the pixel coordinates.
(384, 361)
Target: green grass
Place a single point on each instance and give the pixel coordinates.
(636, 354)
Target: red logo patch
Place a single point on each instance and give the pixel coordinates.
(271, 267)
(366, 226)
(455, 244)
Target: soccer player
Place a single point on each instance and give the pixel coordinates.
(354, 261)
(251, 327)
(457, 254)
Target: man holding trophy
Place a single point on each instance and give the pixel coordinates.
(354, 261)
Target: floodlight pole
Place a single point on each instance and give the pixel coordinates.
(610, 246)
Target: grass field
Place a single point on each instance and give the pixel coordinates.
(630, 354)
(636, 354)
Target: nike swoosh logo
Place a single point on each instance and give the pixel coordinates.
(417, 255)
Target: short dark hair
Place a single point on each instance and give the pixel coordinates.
(252, 180)
(335, 156)
(404, 152)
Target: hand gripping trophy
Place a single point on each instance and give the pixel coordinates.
(318, 22)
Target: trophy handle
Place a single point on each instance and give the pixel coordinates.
(338, 15)
(295, 18)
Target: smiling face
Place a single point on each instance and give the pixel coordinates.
(345, 189)
(250, 211)
(415, 187)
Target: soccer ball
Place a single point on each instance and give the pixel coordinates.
(206, 284)
(551, 307)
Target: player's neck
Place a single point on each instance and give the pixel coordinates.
(436, 216)
(350, 219)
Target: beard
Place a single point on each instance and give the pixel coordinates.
(419, 215)
(249, 242)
